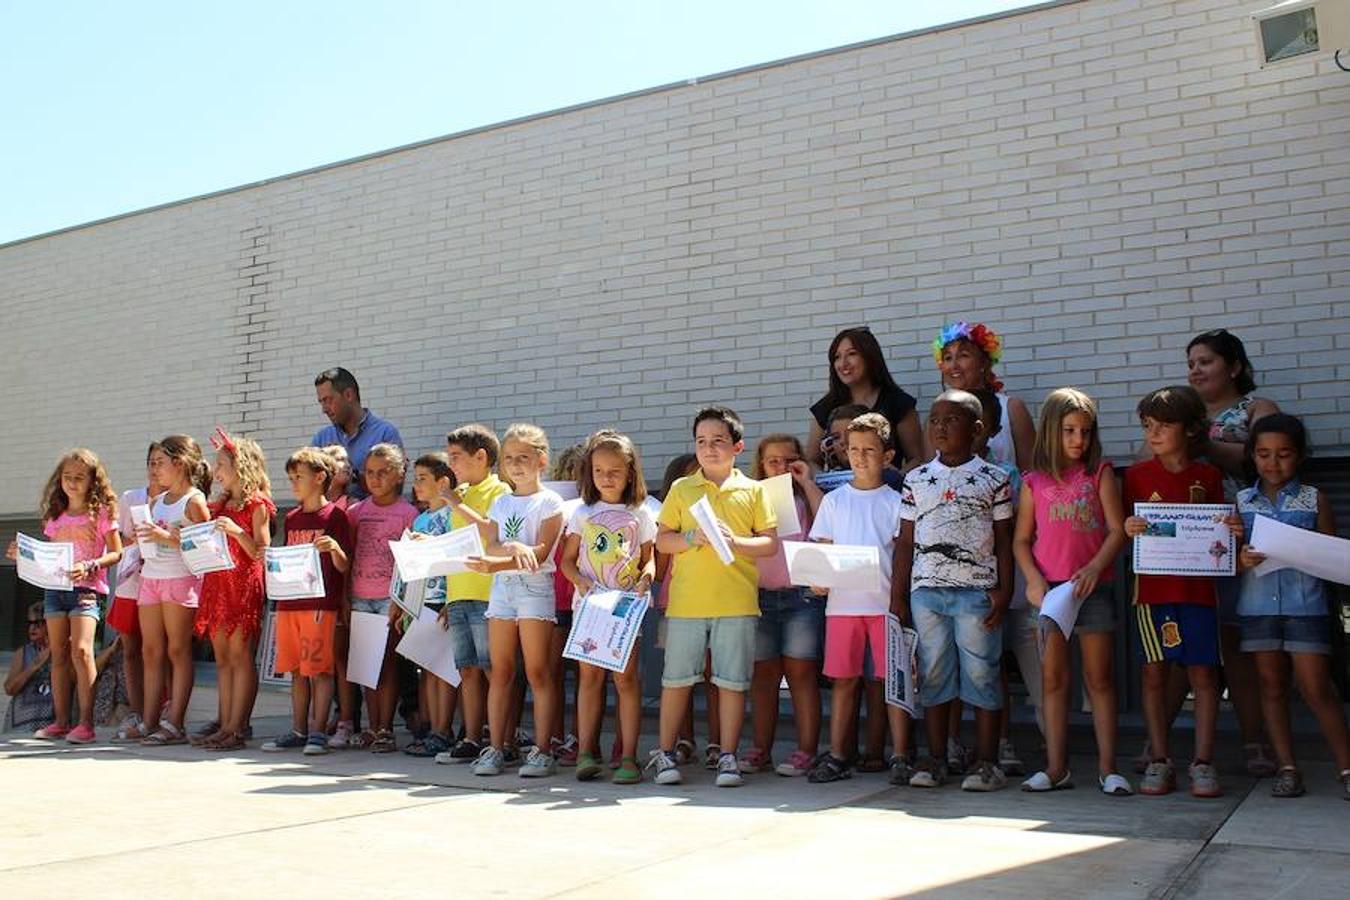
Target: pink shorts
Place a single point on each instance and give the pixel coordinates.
(183, 591)
(848, 639)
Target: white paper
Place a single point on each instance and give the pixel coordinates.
(129, 566)
(703, 514)
(902, 675)
(1289, 547)
(1060, 607)
(1185, 539)
(428, 645)
(140, 515)
(845, 566)
(605, 628)
(567, 490)
(205, 548)
(267, 655)
(293, 573)
(444, 554)
(411, 596)
(45, 564)
(369, 634)
(784, 503)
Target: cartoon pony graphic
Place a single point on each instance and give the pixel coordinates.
(609, 548)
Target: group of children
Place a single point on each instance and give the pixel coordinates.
(951, 532)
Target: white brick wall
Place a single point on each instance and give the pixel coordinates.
(1097, 180)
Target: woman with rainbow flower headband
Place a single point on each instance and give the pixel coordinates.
(966, 354)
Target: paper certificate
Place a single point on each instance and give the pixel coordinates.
(205, 548)
(411, 596)
(428, 645)
(369, 633)
(1060, 607)
(267, 655)
(444, 554)
(784, 503)
(567, 490)
(902, 675)
(846, 566)
(1185, 539)
(45, 564)
(703, 514)
(1290, 547)
(605, 628)
(293, 573)
(828, 481)
(140, 515)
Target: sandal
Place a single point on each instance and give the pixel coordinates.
(711, 754)
(1288, 783)
(129, 734)
(166, 736)
(829, 768)
(230, 740)
(384, 742)
(210, 742)
(628, 771)
(872, 764)
(1258, 764)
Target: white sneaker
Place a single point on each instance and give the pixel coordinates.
(729, 771)
(666, 770)
(986, 777)
(538, 764)
(341, 738)
(489, 762)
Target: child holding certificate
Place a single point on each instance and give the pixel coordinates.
(79, 507)
(1070, 528)
(375, 521)
(524, 526)
(232, 599)
(305, 627)
(609, 546)
(1175, 614)
(170, 593)
(122, 615)
(1286, 622)
(864, 512)
(714, 598)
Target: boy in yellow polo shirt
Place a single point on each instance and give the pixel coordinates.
(473, 451)
(713, 606)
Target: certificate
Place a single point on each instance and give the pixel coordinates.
(784, 503)
(902, 675)
(1185, 539)
(703, 514)
(140, 515)
(1290, 547)
(367, 636)
(605, 628)
(828, 481)
(444, 554)
(293, 573)
(411, 596)
(428, 645)
(45, 564)
(845, 566)
(267, 655)
(1060, 607)
(205, 548)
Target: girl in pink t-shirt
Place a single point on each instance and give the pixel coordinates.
(1070, 528)
(79, 507)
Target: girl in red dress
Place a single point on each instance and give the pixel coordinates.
(232, 600)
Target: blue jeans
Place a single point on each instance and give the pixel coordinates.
(958, 656)
(791, 623)
(71, 604)
(731, 641)
(469, 633)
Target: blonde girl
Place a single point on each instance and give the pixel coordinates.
(1070, 528)
(170, 594)
(78, 507)
(610, 545)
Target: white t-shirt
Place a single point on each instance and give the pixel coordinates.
(519, 519)
(168, 561)
(954, 511)
(869, 518)
(612, 536)
(129, 570)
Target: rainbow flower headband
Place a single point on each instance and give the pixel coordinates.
(977, 334)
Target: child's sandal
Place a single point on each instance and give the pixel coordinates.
(628, 771)
(870, 765)
(230, 740)
(1288, 783)
(166, 736)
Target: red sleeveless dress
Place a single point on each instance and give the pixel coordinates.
(234, 598)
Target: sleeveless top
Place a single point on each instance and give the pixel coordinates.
(168, 561)
(1070, 522)
(1001, 449)
(1284, 592)
(31, 708)
(1232, 426)
(233, 598)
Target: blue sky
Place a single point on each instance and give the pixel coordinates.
(110, 108)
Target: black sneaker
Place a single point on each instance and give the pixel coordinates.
(511, 755)
(464, 752)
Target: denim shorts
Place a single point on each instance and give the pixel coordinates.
(731, 639)
(377, 605)
(958, 656)
(80, 603)
(468, 633)
(1098, 611)
(791, 623)
(520, 596)
(1292, 634)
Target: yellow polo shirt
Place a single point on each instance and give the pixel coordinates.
(701, 586)
(478, 497)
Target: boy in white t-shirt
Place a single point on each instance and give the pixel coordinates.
(864, 512)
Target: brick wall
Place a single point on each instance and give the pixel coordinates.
(1098, 180)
